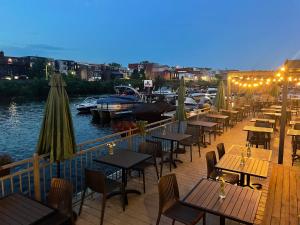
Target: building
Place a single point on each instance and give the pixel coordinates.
(194, 73)
(97, 72)
(13, 67)
(66, 66)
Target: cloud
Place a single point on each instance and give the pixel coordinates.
(44, 47)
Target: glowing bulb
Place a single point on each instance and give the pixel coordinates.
(282, 68)
(278, 74)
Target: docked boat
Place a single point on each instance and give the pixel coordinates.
(119, 105)
(86, 106)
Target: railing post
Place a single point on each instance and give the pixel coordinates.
(130, 139)
(36, 177)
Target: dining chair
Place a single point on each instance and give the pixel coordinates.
(213, 174)
(60, 197)
(221, 150)
(170, 205)
(195, 139)
(153, 148)
(97, 182)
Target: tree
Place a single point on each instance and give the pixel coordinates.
(38, 69)
(142, 74)
(159, 81)
(135, 74)
(115, 65)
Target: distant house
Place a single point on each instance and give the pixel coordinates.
(65, 66)
(12, 67)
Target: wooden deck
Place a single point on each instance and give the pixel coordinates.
(143, 209)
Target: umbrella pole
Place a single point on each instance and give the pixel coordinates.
(58, 169)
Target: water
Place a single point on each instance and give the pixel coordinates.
(20, 123)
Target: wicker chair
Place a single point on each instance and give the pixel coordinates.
(153, 148)
(195, 139)
(99, 183)
(60, 197)
(170, 205)
(212, 173)
(221, 150)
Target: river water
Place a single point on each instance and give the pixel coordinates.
(20, 123)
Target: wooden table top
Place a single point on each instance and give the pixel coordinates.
(258, 153)
(253, 166)
(271, 109)
(293, 122)
(123, 159)
(293, 132)
(272, 114)
(230, 111)
(240, 204)
(262, 120)
(217, 116)
(172, 136)
(283, 199)
(17, 209)
(258, 129)
(202, 123)
(276, 106)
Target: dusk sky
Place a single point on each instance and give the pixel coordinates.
(235, 34)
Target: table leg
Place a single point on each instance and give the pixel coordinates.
(172, 153)
(222, 220)
(124, 191)
(242, 180)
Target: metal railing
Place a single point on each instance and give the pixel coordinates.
(32, 176)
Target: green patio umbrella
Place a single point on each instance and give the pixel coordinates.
(220, 97)
(57, 133)
(275, 91)
(180, 111)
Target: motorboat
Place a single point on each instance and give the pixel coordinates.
(119, 105)
(87, 104)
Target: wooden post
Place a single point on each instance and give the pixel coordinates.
(282, 121)
(36, 177)
(228, 91)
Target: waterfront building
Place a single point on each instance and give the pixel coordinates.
(66, 66)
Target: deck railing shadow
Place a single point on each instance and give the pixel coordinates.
(32, 176)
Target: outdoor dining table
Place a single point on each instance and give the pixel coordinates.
(232, 113)
(271, 121)
(172, 137)
(274, 114)
(218, 118)
(294, 133)
(258, 153)
(17, 209)
(252, 167)
(259, 129)
(240, 204)
(276, 106)
(125, 160)
(203, 125)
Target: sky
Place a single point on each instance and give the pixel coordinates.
(221, 34)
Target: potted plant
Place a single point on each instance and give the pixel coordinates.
(141, 126)
(4, 160)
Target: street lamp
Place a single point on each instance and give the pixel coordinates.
(47, 64)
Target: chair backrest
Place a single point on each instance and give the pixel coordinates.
(150, 147)
(195, 131)
(221, 150)
(95, 180)
(211, 161)
(168, 192)
(262, 124)
(60, 196)
(297, 126)
(157, 145)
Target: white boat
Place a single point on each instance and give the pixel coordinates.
(88, 104)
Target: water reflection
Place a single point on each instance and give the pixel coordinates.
(20, 123)
(13, 115)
